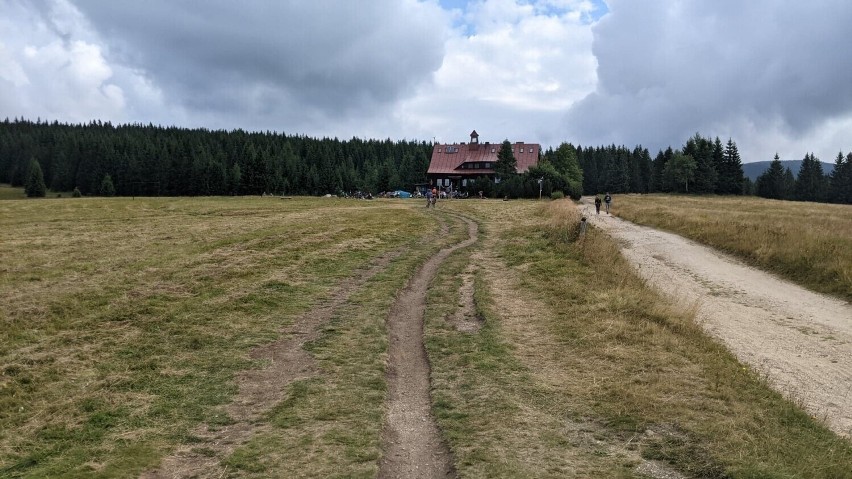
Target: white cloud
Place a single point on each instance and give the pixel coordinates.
(757, 71)
(652, 72)
(292, 65)
(508, 76)
(382, 69)
(55, 68)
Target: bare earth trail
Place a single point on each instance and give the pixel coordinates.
(411, 442)
(802, 340)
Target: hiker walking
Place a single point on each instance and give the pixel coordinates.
(598, 204)
(428, 198)
(607, 201)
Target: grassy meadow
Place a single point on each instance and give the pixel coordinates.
(581, 367)
(125, 321)
(808, 243)
(11, 193)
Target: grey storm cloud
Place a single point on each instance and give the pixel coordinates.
(325, 57)
(668, 69)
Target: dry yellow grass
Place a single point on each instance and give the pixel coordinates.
(580, 371)
(124, 321)
(809, 243)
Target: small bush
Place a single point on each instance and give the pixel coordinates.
(557, 195)
(76, 193)
(575, 190)
(107, 187)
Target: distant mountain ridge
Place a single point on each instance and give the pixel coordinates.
(753, 170)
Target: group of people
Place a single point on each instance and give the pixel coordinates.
(431, 197)
(607, 200)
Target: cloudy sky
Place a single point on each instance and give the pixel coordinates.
(776, 76)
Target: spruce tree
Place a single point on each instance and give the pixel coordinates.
(719, 163)
(789, 184)
(506, 165)
(235, 179)
(810, 183)
(840, 180)
(770, 184)
(107, 187)
(731, 175)
(645, 170)
(35, 187)
(706, 176)
(659, 169)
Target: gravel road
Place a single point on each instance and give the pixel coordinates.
(800, 339)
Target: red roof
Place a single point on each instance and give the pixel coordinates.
(449, 158)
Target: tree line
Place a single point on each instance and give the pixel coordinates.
(705, 166)
(702, 166)
(146, 160)
(811, 183)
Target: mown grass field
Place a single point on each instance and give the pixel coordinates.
(808, 243)
(124, 322)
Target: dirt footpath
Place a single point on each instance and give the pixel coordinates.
(801, 340)
(411, 441)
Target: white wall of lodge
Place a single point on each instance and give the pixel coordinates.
(457, 183)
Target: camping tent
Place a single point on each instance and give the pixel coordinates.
(402, 194)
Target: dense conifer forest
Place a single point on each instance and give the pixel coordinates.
(146, 160)
(158, 161)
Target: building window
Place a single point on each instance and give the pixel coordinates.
(439, 150)
(487, 165)
(522, 150)
(492, 150)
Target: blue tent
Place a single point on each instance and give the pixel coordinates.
(402, 194)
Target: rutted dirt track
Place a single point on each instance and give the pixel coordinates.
(802, 340)
(261, 389)
(411, 442)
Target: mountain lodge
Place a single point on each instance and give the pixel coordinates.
(455, 165)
